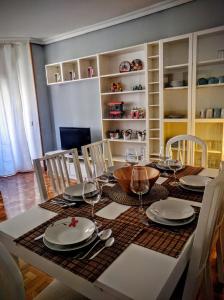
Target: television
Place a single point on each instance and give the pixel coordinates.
(74, 137)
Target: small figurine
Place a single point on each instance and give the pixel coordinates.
(90, 72)
(137, 113)
(114, 134)
(137, 87)
(116, 87)
(127, 134)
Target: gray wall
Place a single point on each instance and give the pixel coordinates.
(44, 105)
(67, 101)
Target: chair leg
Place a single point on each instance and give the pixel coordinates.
(220, 255)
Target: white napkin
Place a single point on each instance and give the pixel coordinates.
(112, 211)
(160, 180)
(209, 172)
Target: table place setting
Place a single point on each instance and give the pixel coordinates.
(141, 208)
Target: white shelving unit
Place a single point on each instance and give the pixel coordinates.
(154, 98)
(183, 58)
(71, 70)
(206, 64)
(109, 73)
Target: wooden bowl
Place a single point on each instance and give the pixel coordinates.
(123, 176)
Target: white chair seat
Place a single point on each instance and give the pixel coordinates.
(58, 291)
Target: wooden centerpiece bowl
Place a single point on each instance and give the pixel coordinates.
(123, 176)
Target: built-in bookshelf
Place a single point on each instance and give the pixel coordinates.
(180, 79)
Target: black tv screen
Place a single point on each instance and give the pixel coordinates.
(74, 137)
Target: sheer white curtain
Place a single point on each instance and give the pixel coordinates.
(19, 127)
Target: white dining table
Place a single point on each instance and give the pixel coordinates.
(138, 273)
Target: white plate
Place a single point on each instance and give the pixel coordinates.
(76, 190)
(171, 209)
(70, 247)
(72, 199)
(192, 189)
(60, 233)
(195, 180)
(164, 166)
(166, 222)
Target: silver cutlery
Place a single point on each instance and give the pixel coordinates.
(103, 236)
(108, 244)
(39, 237)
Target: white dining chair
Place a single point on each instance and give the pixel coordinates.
(184, 146)
(57, 170)
(97, 158)
(12, 285)
(209, 223)
(220, 242)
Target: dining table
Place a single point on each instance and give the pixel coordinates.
(145, 262)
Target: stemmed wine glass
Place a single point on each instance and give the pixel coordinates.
(131, 156)
(92, 194)
(139, 183)
(163, 159)
(175, 165)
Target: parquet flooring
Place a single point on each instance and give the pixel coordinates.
(20, 192)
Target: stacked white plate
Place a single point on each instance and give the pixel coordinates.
(170, 212)
(194, 183)
(74, 193)
(163, 165)
(61, 236)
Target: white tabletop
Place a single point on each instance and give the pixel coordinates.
(138, 273)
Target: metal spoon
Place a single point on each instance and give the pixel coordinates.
(103, 236)
(108, 244)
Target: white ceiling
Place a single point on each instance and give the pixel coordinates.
(43, 19)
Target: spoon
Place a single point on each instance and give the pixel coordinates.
(108, 244)
(103, 236)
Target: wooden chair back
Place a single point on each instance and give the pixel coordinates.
(184, 146)
(57, 170)
(209, 224)
(97, 158)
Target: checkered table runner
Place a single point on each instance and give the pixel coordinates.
(127, 229)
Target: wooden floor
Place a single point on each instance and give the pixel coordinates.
(20, 192)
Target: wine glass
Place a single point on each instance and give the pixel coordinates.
(142, 156)
(174, 165)
(92, 194)
(163, 159)
(131, 156)
(139, 183)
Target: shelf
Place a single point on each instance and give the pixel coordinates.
(210, 85)
(155, 82)
(127, 141)
(175, 120)
(210, 151)
(209, 120)
(77, 80)
(176, 88)
(131, 73)
(124, 120)
(123, 92)
(179, 66)
(154, 119)
(154, 138)
(153, 56)
(153, 105)
(210, 62)
(153, 93)
(154, 129)
(153, 70)
(118, 158)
